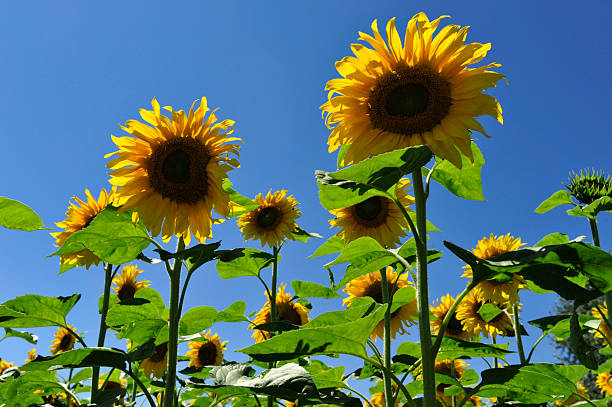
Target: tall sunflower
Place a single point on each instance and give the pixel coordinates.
(377, 217)
(206, 353)
(64, 340)
(272, 221)
(454, 329)
(604, 382)
(127, 284)
(472, 321)
(171, 172)
(370, 285)
(393, 96)
(494, 290)
(603, 327)
(79, 216)
(156, 364)
(287, 310)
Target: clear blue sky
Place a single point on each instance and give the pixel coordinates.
(73, 71)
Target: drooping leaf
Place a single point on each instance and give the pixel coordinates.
(559, 325)
(452, 348)
(241, 203)
(138, 319)
(246, 263)
(199, 254)
(489, 311)
(30, 310)
(332, 245)
(79, 358)
(197, 319)
(553, 238)
(309, 289)
(303, 236)
(17, 216)
(585, 352)
(325, 376)
(371, 177)
(19, 391)
(465, 182)
(112, 237)
(561, 197)
(590, 211)
(233, 313)
(8, 333)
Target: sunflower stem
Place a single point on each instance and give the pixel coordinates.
(447, 318)
(384, 286)
(429, 383)
(594, 231)
(360, 395)
(175, 285)
(134, 377)
(95, 374)
(273, 318)
(517, 333)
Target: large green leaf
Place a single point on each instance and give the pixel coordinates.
(138, 319)
(584, 351)
(325, 376)
(15, 215)
(19, 392)
(552, 238)
(561, 197)
(374, 176)
(559, 325)
(305, 289)
(197, 319)
(8, 333)
(112, 237)
(29, 311)
(537, 383)
(243, 203)
(312, 339)
(457, 349)
(245, 262)
(332, 245)
(465, 182)
(590, 211)
(79, 358)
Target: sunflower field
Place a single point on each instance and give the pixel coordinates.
(403, 114)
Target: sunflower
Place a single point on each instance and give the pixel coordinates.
(157, 363)
(272, 221)
(110, 385)
(79, 216)
(5, 365)
(377, 217)
(394, 96)
(286, 309)
(589, 186)
(604, 382)
(472, 321)
(370, 285)
(31, 355)
(603, 327)
(444, 366)
(575, 397)
(126, 284)
(171, 173)
(494, 290)
(454, 329)
(64, 340)
(208, 353)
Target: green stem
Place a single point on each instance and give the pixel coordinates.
(447, 319)
(452, 369)
(142, 386)
(386, 338)
(175, 283)
(429, 383)
(534, 346)
(596, 242)
(517, 333)
(184, 290)
(273, 316)
(95, 375)
(134, 387)
(359, 394)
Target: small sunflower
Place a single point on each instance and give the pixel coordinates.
(31, 355)
(589, 186)
(422, 92)
(126, 284)
(272, 221)
(604, 382)
(157, 363)
(454, 329)
(494, 290)
(79, 216)
(377, 217)
(603, 327)
(64, 340)
(208, 353)
(287, 310)
(171, 172)
(444, 366)
(370, 285)
(5, 365)
(472, 321)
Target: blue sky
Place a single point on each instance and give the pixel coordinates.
(73, 71)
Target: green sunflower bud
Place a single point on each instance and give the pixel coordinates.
(589, 186)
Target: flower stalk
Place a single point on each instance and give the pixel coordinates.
(273, 316)
(95, 374)
(517, 333)
(386, 338)
(175, 283)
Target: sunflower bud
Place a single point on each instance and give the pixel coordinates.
(589, 186)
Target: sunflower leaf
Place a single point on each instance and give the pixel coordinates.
(241, 204)
(559, 325)
(552, 238)
(30, 310)
(585, 352)
(456, 349)
(332, 245)
(197, 319)
(489, 311)
(562, 197)
(244, 262)
(310, 289)
(303, 236)
(113, 237)
(79, 358)
(20, 390)
(374, 176)
(464, 182)
(11, 333)
(17, 216)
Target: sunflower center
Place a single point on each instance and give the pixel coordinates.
(268, 217)
(372, 212)
(66, 342)
(374, 291)
(160, 353)
(207, 354)
(289, 313)
(410, 100)
(454, 327)
(177, 170)
(126, 291)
